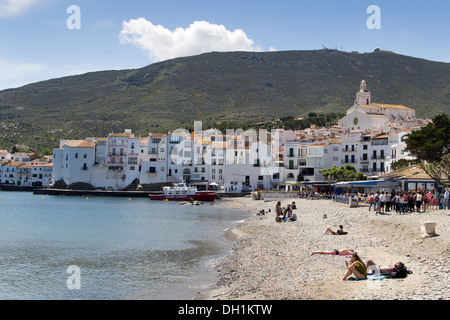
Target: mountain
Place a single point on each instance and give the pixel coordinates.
(217, 87)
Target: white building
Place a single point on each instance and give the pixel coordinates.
(367, 115)
(74, 161)
(42, 175)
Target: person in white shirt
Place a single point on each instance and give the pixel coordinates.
(382, 201)
(447, 199)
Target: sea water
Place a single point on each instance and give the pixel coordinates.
(121, 248)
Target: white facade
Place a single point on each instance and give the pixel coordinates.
(367, 115)
(74, 161)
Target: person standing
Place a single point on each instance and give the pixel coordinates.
(382, 201)
(418, 200)
(387, 198)
(447, 199)
(371, 201)
(401, 203)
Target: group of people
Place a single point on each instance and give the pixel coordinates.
(360, 270)
(403, 201)
(285, 214)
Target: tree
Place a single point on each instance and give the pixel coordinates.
(439, 171)
(347, 173)
(432, 142)
(402, 163)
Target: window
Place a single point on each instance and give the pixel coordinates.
(76, 155)
(152, 170)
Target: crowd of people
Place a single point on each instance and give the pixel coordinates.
(409, 201)
(285, 214)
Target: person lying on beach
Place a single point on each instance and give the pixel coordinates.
(261, 213)
(340, 231)
(335, 252)
(355, 267)
(399, 270)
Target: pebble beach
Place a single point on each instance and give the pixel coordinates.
(273, 261)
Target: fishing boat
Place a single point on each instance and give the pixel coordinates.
(181, 192)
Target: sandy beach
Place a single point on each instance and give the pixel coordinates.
(273, 261)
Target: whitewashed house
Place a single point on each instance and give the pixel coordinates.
(42, 175)
(74, 161)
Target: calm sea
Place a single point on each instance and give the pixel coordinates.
(123, 249)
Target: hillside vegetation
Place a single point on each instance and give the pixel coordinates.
(217, 88)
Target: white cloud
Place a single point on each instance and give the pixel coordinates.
(161, 44)
(17, 73)
(14, 7)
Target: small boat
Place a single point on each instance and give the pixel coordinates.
(181, 192)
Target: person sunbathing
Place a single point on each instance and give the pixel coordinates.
(339, 231)
(335, 252)
(399, 270)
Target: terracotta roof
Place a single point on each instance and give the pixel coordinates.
(391, 106)
(413, 172)
(13, 164)
(80, 144)
(377, 115)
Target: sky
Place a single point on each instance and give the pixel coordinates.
(45, 39)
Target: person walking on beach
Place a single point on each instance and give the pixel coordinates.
(355, 267)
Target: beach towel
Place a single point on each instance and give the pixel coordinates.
(370, 277)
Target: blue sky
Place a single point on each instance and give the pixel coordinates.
(36, 44)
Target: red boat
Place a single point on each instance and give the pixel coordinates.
(181, 192)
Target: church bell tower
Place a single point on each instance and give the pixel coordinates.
(363, 97)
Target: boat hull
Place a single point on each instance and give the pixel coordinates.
(198, 196)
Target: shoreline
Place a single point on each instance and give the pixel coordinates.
(273, 261)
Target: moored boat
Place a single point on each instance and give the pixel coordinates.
(181, 192)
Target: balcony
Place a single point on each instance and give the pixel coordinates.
(349, 161)
(378, 157)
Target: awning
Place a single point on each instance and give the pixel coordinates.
(369, 183)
